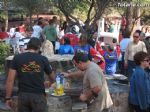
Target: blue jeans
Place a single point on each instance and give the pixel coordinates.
(131, 67)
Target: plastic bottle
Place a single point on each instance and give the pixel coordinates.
(62, 83)
(59, 85)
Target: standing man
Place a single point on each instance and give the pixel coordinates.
(37, 29)
(123, 45)
(133, 47)
(95, 89)
(29, 67)
(51, 33)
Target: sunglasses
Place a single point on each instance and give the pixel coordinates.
(147, 60)
(136, 36)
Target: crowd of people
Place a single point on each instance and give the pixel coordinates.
(128, 56)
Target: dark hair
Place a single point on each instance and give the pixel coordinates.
(40, 18)
(51, 21)
(35, 21)
(81, 56)
(34, 44)
(114, 40)
(39, 22)
(66, 41)
(138, 31)
(21, 23)
(139, 57)
(110, 48)
(55, 17)
(127, 34)
(17, 29)
(29, 29)
(147, 37)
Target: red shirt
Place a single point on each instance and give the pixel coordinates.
(73, 39)
(118, 50)
(99, 49)
(96, 55)
(21, 29)
(3, 35)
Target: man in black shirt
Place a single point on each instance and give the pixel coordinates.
(29, 67)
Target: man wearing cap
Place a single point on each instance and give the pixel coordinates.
(29, 67)
(95, 89)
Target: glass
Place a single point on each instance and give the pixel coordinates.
(47, 86)
(136, 36)
(147, 60)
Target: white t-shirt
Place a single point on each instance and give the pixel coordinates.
(37, 30)
(124, 43)
(147, 34)
(12, 31)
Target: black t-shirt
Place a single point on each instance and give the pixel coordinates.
(30, 69)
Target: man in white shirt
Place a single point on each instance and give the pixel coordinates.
(37, 30)
(123, 45)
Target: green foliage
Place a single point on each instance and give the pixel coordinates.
(2, 15)
(4, 52)
(32, 6)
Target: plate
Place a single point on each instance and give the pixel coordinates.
(53, 94)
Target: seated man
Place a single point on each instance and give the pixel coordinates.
(66, 48)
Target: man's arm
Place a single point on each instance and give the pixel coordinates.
(10, 82)
(73, 74)
(144, 47)
(52, 76)
(126, 55)
(91, 93)
(96, 82)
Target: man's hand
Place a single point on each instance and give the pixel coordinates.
(65, 74)
(83, 97)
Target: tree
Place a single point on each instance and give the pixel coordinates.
(134, 13)
(4, 13)
(31, 6)
(94, 8)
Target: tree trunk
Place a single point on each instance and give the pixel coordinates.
(6, 14)
(30, 17)
(138, 13)
(129, 17)
(6, 21)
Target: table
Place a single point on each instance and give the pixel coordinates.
(119, 92)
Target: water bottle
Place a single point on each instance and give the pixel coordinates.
(59, 85)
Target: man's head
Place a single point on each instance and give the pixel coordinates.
(136, 36)
(66, 41)
(127, 34)
(81, 59)
(34, 44)
(29, 31)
